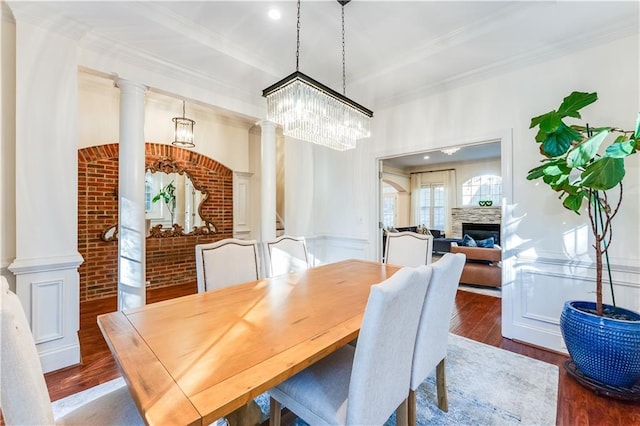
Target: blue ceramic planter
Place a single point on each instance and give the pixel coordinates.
(605, 349)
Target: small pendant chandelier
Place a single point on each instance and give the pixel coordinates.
(183, 131)
(310, 111)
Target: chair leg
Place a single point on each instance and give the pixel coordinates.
(441, 386)
(411, 408)
(275, 410)
(401, 414)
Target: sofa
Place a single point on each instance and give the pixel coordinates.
(483, 265)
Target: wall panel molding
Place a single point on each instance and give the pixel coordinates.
(535, 316)
(47, 307)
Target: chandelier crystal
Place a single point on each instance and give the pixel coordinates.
(310, 111)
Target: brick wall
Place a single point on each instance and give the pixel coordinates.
(170, 260)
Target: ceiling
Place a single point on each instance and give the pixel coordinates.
(395, 50)
(484, 151)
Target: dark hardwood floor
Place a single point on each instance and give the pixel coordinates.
(475, 316)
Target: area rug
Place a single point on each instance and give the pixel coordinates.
(487, 386)
(487, 291)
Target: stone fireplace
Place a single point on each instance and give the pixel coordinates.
(482, 215)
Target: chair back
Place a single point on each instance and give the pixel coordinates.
(286, 254)
(408, 248)
(433, 330)
(382, 361)
(226, 262)
(23, 391)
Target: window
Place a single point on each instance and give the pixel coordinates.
(482, 188)
(147, 196)
(432, 207)
(389, 205)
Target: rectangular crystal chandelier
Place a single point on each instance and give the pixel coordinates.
(310, 111)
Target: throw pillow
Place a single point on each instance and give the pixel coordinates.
(486, 243)
(468, 241)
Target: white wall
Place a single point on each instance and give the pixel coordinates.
(7, 147)
(539, 232)
(509, 101)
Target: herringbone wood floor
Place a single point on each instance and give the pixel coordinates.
(475, 316)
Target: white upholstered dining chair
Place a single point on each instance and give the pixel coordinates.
(286, 254)
(363, 385)
(23, 391)
(408, 248)
(433, 331)
(226, 262)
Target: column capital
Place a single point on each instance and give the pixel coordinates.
(267, 124)
(126, 85)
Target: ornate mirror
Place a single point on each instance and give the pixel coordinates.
(173, 202)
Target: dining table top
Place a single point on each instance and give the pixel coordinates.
(194, 359)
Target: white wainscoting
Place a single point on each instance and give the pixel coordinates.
(47, 307)
(541, 286)
(48, 289)
(325, 249)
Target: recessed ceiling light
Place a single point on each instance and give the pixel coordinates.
(274, 14)
(426, 157)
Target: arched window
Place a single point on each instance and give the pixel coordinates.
(482, 188)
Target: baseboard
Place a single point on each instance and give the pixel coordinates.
(60, 357)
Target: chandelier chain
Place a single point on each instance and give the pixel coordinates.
(183, 114)
(298, 39)
(344, 72)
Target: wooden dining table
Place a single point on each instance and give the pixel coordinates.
(197, 358)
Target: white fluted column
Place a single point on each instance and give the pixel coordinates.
(131, 191)
(268, 180)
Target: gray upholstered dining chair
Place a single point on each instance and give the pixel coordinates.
(433, 330)
(23, 391)
(408, 248)
(226, 262)
(363, 385)
(286, 254)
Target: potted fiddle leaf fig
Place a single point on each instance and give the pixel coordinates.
(585, 165)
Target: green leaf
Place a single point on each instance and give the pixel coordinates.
(603, 174)
(554, 169)
(536, 120)
(536, 172)
(560, 182)
(575, 102)
(582, 154)
(560, 141)
(574, 201)
(541, 136)
(638, 126)
(620, 148)
(550, 122)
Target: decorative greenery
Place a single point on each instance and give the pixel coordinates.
(576, 166)
(167, 193)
